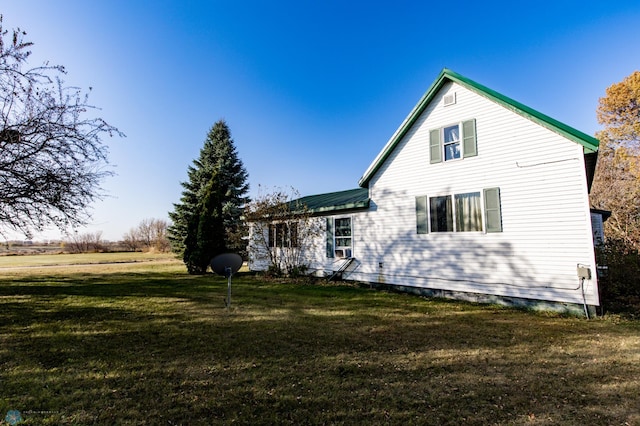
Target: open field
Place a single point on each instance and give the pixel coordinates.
(66, 259)
(145, 343)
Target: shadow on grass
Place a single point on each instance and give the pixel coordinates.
(129, 348)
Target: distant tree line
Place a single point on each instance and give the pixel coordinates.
(149, 235)
(88, 242)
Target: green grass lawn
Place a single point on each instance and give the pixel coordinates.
(145, 343)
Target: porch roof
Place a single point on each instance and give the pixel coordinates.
(351, 199)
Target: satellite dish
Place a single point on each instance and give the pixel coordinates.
(227, 264)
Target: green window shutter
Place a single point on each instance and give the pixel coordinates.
(435, 147)
(422, 224)
(330, 251)
(469, 145)
(492, 209)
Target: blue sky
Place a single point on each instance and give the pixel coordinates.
(310, 90)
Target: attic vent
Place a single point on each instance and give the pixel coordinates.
(450, 99)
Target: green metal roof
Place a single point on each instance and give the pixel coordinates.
(333, 202)
(589, 143)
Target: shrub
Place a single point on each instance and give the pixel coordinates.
(620, 285)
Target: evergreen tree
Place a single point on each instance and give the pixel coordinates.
(207, 221)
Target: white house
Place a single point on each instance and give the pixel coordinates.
(475, 196)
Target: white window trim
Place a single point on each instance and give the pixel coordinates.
(462, 137)
(483, 220)
(336, 247)
(459, 142)
(454, 212)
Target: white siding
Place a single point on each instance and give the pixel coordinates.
(311, 245)
(545, 211)
(259, 259)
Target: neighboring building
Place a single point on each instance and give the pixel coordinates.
(476, 197)
(598, 217)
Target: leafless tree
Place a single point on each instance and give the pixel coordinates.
(282, 231)
(158, 235)
(85, 243)
(52, 159)
(131, 240)
(616, 186)
(150, 234)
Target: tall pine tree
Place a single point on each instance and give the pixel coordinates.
(207, 221)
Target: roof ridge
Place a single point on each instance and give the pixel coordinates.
(589, 143)
(560, 126)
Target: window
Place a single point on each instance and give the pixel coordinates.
(463, 212)
(453, 142)
(441, 214)
(339, 237)
(468, 212)
(283, 234)
(451, 136)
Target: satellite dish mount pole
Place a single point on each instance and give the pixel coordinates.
(228, 272)
(227, 264)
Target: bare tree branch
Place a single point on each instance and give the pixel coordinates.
(52, 159)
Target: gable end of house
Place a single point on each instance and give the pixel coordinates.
(589, 143)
